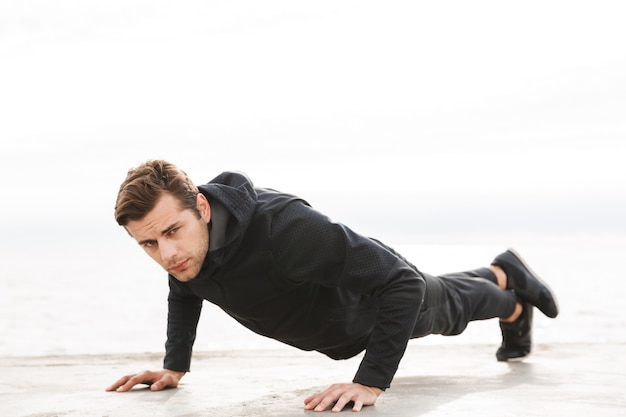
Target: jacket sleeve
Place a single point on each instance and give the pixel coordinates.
(182, 320)
(310, 247)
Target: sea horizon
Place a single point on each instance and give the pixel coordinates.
(112, 300)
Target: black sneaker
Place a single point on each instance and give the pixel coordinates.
(526, 284)
(516, 336)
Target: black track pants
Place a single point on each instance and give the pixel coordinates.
(453, 300)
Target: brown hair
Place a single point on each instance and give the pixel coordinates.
(144, 185)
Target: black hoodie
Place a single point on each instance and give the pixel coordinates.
(288, 272)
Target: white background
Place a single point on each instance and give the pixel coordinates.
(415, 122)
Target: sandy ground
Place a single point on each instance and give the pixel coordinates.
(433, 380)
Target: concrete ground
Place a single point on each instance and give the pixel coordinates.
(434, 380)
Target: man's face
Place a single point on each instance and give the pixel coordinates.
(174, 237)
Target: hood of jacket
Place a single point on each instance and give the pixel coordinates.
(233, 199)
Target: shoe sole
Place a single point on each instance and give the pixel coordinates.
(534, 274)
(517, 359)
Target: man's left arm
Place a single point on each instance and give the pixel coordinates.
(339, 395)
(368, 268)
(399, 307)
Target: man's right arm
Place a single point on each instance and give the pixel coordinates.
(184, 309)
(183, 314)
(157, 380)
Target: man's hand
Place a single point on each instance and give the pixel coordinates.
(156, 379)
(342, 394)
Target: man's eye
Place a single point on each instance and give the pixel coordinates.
(148, 244)
(174, 230)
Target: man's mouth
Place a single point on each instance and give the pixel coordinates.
(180, 266)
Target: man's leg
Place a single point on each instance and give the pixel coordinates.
(526, 284)
(516, 275)
(453, 300)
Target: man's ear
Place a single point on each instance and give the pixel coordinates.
(203, 206)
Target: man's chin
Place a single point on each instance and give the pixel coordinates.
(183, 277)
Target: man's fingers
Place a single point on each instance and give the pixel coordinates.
(127, 382)
(340, 395)
(131, 382)
(345, 399)
(314, 400)
(163, 382)
(321, 401)
(317, 402)
(118, 383)
(340, 404)
(157, 380)
(326, 401)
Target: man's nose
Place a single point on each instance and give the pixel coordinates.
(168, 250)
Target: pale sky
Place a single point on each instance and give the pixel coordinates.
(397, 118)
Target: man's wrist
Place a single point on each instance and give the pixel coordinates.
(178, 374)
(375, 390)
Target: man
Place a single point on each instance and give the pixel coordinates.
(286, 271)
